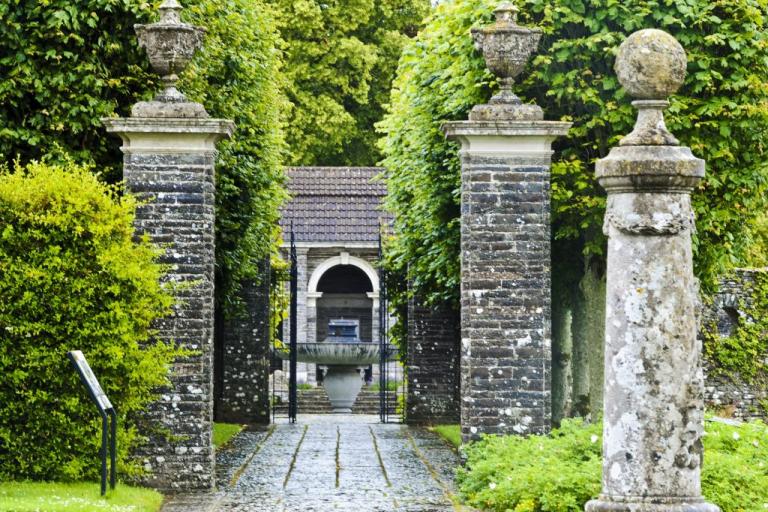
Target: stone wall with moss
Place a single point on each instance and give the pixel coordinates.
(734, 327)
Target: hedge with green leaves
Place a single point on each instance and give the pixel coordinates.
(72, 278)
(64, 64)
(514, 473)
(721, 113)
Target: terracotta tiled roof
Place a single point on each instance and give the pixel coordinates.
(334, 204)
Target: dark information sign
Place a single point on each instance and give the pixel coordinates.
(106, 410)
(90, 380)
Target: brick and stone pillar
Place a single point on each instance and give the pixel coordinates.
(169, 154)
(505, 247)
(653, 409)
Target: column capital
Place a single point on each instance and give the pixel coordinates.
(506, 138)
(169, 135)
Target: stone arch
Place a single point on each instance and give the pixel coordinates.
(343, 259)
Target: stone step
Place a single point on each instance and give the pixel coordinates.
(315, 401)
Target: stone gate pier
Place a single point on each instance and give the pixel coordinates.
(505, 246)
(169, 154)
(654, 408)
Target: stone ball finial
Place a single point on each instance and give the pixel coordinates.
(651, 65)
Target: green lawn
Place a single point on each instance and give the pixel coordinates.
(223, 432)
(451, 433)
(75, 497)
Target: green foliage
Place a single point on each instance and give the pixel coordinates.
(64, 64)
(72, 278)
(451, 433)
(76, 497)
(514, 473)
(720, 113)
(340, 58)
(742, 354)
(237, 76)
(223, 432)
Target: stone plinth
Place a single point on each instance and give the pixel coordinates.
(169, 164)
(653, 405)
(505, 275)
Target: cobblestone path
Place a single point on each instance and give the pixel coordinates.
(331, 463)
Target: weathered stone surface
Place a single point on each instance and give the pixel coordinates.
(505, 274)
(653, 411)
(169, 164)
(433, 364)
(732, 395)
(506, 47)
(651, 65)
(243, 358)
(334, 462)
(170, 46)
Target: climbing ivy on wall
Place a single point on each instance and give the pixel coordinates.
(742, 354)
(64, 64)
(720, 112)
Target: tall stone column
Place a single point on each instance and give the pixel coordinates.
(169, 154)
(653, 411)
(505, 246)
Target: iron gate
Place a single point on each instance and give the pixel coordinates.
(391, 375)
(284, 394)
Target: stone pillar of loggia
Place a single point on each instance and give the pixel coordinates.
(505, 246)
(653, 410)
(169, 155)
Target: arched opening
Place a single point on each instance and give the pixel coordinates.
(345, 296)
(727, 321)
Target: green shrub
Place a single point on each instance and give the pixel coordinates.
(515, 473)
(72, 278)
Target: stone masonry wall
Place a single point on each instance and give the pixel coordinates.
(732, 395)
(432, 365)
(505, 297)
(242, 394)
(179, 215)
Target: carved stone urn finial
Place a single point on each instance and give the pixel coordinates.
(506, 47)
(651, 66)
(170, 45)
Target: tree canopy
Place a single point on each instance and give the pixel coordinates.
(340, 59)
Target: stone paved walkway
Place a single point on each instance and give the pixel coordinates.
(331, 463)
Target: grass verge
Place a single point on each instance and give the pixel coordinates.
(451, 433)
(223, 432)
(75, 497)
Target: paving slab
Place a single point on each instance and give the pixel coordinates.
(344, 463)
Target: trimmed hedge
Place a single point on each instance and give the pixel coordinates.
(72, 278)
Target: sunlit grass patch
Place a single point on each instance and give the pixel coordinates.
(451, 433)
(75, 497)
(223, 432)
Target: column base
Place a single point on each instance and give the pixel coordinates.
(654, 504)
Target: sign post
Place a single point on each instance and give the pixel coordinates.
(106, 410)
